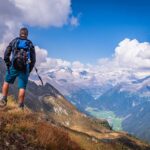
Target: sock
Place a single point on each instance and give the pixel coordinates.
(4, 98)
(21, 105)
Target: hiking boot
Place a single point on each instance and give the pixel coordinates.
(21, 106)
(3, 101)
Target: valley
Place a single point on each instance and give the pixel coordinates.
(114, 121)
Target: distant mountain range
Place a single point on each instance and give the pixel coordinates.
(122, 92)
(132, 105)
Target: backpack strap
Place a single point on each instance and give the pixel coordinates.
(14, 46)
(28, 58)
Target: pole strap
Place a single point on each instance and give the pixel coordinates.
(39, 76)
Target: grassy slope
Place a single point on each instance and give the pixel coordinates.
(27, 130)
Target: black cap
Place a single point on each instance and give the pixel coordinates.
(24, 32)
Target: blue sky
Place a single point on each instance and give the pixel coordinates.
(102, 25)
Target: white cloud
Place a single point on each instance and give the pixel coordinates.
(77, 65)
(130, 55)
(2, 49)
(131, 58)
(44, 62)
(41, 55)
(9, 16)
(44, 12)
(133, 54)
(74, 21)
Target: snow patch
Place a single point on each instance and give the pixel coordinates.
(141, 109)
(60, 110)
(128, 116)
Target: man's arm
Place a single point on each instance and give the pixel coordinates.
(8, 53)
(33, 56)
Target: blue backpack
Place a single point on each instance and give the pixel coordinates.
(21, 55)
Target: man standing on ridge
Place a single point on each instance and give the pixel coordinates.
(21, 64)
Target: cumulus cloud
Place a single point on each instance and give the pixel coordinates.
(74, 21)
(2, 48)
(130, 57)
(9, 16)
(41, 55)
(44, 12)
(133, 54)
(45, 62)
(78, 65)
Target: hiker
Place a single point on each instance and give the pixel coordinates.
(21, 64)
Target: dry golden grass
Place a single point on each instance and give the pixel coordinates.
(52, 137)
(28, 130)
(22, 125)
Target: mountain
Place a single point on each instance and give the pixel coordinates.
(132, 103)
(49, 117)
(121, 91)
(80, 98)
(137, 121)
(117, 101)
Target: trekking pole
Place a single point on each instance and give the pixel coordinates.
(39, 76)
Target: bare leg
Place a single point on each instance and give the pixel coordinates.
(5, 89)
(21, 96)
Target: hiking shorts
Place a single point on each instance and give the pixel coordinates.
(11, 75)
